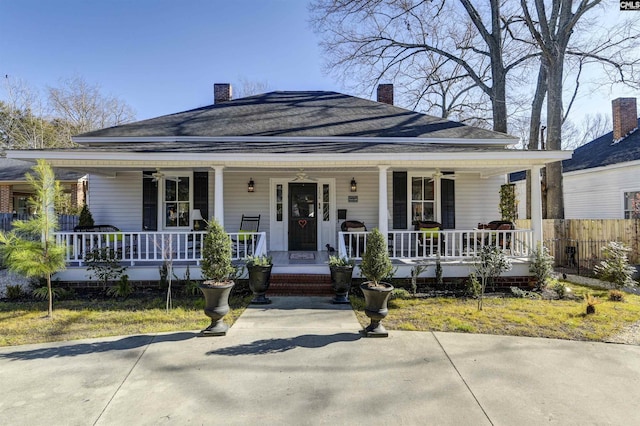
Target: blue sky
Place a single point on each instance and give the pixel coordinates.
(161, 56)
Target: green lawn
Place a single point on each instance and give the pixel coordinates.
(26, 322)
(562, 319)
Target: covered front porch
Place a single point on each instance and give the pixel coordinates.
(305, 162)
(143, 252)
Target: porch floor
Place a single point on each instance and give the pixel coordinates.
(300, 263)
(284, 258)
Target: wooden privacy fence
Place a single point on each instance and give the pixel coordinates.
(569, 239)
(66, 222)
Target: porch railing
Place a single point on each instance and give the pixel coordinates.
(447, 244)
(141, 247)
(66, 222)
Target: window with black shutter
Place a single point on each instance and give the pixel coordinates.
(448, 203)
(399, 200)
(149, 202)
(201, 194)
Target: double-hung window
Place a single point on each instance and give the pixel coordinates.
(422, 198)
(632, 205)
(177, 202)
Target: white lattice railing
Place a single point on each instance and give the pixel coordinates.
(140, 247)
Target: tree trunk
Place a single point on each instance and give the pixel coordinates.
(499, 101)
(498, 72)
(555, 202)
(534, 124)
(50, 314)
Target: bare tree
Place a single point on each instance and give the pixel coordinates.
(84, 108)
(551, 28)
(27, 122)
(246, 87)
(22, 118)
(370, 39)
(591, 127)
(439, 86)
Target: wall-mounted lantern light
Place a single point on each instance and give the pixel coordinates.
(251, 185)
(354, 185)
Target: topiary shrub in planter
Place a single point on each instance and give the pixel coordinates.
(86, 218)
(508, 210)
(375, 266)
(341, 275)
(259, 269)
(216, 270)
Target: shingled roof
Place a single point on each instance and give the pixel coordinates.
(300, 114)
(12, 170)
(604, 152)
(599, 152)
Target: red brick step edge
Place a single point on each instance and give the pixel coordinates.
(300, 285)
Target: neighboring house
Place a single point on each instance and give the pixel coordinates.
(602, 179)
(15, 190)
(304, 162)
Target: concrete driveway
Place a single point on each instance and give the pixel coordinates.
(302, 361)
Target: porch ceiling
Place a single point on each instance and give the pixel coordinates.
(486, 162)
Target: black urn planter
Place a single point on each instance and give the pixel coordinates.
(376, 307)
(216, 306)
(341, 283)
(259, 280)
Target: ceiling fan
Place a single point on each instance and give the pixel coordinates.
(158, 175)
(442, 175)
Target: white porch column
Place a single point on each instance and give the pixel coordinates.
(536, 205)
(218, 195)
(383, 209)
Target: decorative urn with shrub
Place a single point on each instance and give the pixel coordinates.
(341, 274)
(259, 268)
(376, 265)
(216, 271)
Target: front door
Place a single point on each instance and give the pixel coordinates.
(303, 229)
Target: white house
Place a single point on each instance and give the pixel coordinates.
(304, 162)
(602, 179)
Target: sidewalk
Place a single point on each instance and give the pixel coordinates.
(301, 360)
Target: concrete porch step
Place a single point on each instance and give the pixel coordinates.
(300, 285)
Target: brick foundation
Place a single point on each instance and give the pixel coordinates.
(456, 284)
(299, 284)
(320, 285)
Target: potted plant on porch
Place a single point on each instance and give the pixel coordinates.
(216, 270)
(375, 266)
(341, 272)
(259, 268)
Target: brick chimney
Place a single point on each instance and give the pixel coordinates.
(385, 93)
(625, 117)
(221, 93)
